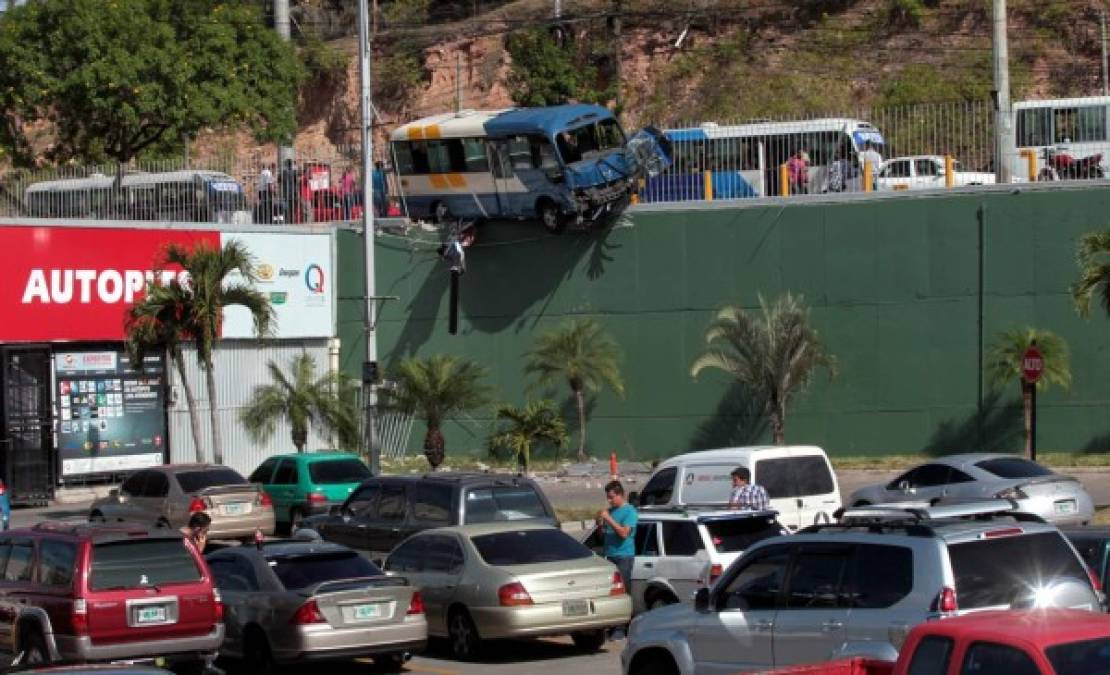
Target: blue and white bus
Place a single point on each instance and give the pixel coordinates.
(557, 164)
(744, 159)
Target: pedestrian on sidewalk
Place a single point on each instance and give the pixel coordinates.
(618, 523)
(746, 496)
(196, 530)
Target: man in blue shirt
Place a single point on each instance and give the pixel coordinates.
(618, 523)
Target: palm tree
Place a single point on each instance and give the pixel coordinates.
(774, 353)
(159, 320)
(436, 388)
(536, 422)
(1094, 272)
(1004, 364)
(585, 356)
(209, 293)
(304, 400)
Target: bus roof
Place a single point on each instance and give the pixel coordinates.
(101, 181)
(508, 122)
(714, 130)
(1063, 102)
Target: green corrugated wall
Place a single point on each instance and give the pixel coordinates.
(907, 292)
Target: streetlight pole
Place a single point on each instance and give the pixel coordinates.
(281, 27)
(368, 235)
(1003, 117)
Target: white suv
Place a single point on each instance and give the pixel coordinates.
(679, 551)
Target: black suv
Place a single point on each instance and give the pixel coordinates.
(384, 511)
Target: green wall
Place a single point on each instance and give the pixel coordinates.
(907, 293)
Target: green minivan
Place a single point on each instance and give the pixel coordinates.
(308, 484)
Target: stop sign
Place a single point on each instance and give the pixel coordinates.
(1032, 364)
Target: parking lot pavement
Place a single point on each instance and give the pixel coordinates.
(554, 656)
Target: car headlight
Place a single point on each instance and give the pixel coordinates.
(1012, 493)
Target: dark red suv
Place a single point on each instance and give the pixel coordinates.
(97, 592)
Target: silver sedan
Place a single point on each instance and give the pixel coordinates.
(1037, 490)
(299, 601)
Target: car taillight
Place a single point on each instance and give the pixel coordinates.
(3, 489)
(218, 605)
(617, 585)
(1095, 581)
(1004, 532)
(317, 498)
(79, 617)
(715, 573)
(308, 613)
(513, 595)
(197, 504)
(416, 605)
(264, 499)
(947, 602)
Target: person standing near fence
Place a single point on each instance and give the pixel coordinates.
(618, 524)
(381, 190)
(797, 168)
(870, 156)
(288, 182)
(347, 191)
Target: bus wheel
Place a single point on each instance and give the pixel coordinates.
(440, 213)
(549, 215)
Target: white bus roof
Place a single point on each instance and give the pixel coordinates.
(463, 124)
(714, 130)
(1063, 102)
(101, 181)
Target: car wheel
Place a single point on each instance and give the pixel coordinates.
(653, 667)
(463, 635)
(295, 518)
(661, 600)
(589, 640)
(257, 657)
(550, 218)
(190, 668)
(32, 646)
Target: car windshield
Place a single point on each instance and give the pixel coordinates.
(737, 534)
(141, 564)
(338, 471)
(1080, 658)
(517, 502)
(302, 571)
(1013, 467)
(528, 547)
(1004, 570)
(195, 481)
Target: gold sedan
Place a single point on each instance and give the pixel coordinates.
(510, 580)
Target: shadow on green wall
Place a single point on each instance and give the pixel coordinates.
(418, 328)
(1097, 445)
(996, 427)
(738, 420)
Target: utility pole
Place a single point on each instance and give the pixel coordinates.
(281, 25)
(458, 81)
(558, 9)
(1005, 149)
(368, 239)
(1105, 80)
(617, 56)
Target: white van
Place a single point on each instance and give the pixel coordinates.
(799, 480)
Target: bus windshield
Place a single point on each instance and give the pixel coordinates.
(589, 141)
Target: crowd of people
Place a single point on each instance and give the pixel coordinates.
(311, 192)
(841, 170)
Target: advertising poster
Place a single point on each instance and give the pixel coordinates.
(110, 417)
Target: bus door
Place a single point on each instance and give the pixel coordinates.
(503, 177)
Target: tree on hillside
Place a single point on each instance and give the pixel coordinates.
(545, 73)
(536, 422)
(1004, 365)
(1094, 273)
(583, 355)
(774, 353)
(116, 80)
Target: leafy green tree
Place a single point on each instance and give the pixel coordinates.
(304, 400)
(435, 389)
(160, 320)
(583, 355)
(536, 422)
(545, 73)
(218, 278)
(1004, 365)
(774, 353)
(116, 80)
(1094, 273)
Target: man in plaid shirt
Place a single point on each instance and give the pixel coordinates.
(745, 495)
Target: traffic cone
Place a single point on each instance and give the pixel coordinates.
(613, 465)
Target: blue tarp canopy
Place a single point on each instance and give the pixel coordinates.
(550, 120)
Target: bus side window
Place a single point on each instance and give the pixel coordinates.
(543, 154)
(520, 153)
(420, 163)
(474, 154)
(1033, 127)
(403, 154)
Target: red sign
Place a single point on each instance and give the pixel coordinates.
(1032, 364)
(69, 283)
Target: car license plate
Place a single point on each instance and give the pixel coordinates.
(153, 614)
(234, 508)
(1066, 506)
(575, 608)
(364, 612)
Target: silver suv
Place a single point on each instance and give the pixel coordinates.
(857, 587)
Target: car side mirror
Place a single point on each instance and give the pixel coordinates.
(701, 600)
(634, 498)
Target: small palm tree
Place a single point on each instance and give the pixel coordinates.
(159, 320)
(1004, 365)
(304, 400)
(1094, 273)
(436, 388)
(774, 354)
(581, 353)
(536, 422)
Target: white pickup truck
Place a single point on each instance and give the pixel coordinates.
(925, 172)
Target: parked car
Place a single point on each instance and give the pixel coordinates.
(118, 592)
(169, 494)
(681, 550)
(508, 580)
(297, 601)
(926, 172)
(385, 510)
(855, 588)
(302, 485)
(1093, 544)
(798, 479)
(1024, 642)
(1037, 490)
